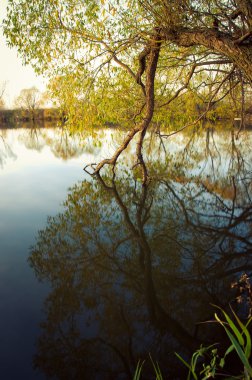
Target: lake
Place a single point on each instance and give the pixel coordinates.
(95, 273)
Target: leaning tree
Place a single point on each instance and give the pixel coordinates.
(172, 44)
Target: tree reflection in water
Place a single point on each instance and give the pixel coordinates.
(133, 270)
(58, 139)
(6, 151)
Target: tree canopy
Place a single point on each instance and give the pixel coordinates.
(29, 99)
(108, 54)
(2, 92)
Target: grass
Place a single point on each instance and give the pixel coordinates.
(156, 368)
(201, 369)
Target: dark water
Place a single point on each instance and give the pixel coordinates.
(96, 274)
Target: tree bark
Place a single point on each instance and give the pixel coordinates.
(218, 42)
(151, 66)
(150, 101)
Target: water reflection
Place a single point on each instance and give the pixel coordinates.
(133, 269)
(60, 141)
(62, 144)
(6, 151)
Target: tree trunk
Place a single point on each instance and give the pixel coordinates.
(239, 53)
(151, 67)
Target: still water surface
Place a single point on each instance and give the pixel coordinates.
(95, 274)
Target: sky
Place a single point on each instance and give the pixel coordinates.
(16, 75)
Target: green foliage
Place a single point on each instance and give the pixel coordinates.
(120, 103)
(240, 339)
(89, 49)
(29, 99)
(90, 106)
(206, 363)
(139, 369)
(208, 370)
(156, 369)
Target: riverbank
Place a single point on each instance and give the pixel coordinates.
(15, 116)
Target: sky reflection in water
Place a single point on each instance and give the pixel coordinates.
(125, 270)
